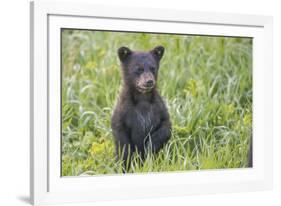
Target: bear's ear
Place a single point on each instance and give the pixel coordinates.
(158, 52)
(124, 53)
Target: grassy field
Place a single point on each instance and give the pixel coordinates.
(205, 81)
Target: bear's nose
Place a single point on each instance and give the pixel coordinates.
(149, 83)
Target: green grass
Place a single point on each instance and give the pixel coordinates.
(205, 81)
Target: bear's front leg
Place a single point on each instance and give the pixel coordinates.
(160, 136)
(123, 146)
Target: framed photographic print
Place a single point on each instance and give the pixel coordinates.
(126, 105)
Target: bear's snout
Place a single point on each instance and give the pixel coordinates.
(149, 83)
(146, 82)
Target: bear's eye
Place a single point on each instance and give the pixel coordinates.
(152, 69)
(140, 70)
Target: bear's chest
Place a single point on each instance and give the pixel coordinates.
(146, 117)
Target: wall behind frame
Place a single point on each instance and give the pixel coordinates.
(14, 100)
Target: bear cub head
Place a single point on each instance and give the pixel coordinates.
(140, 68)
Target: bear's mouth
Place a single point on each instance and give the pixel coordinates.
(143, 89)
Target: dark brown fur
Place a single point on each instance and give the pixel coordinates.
(140, 120)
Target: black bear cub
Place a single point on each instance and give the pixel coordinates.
(140, 120)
